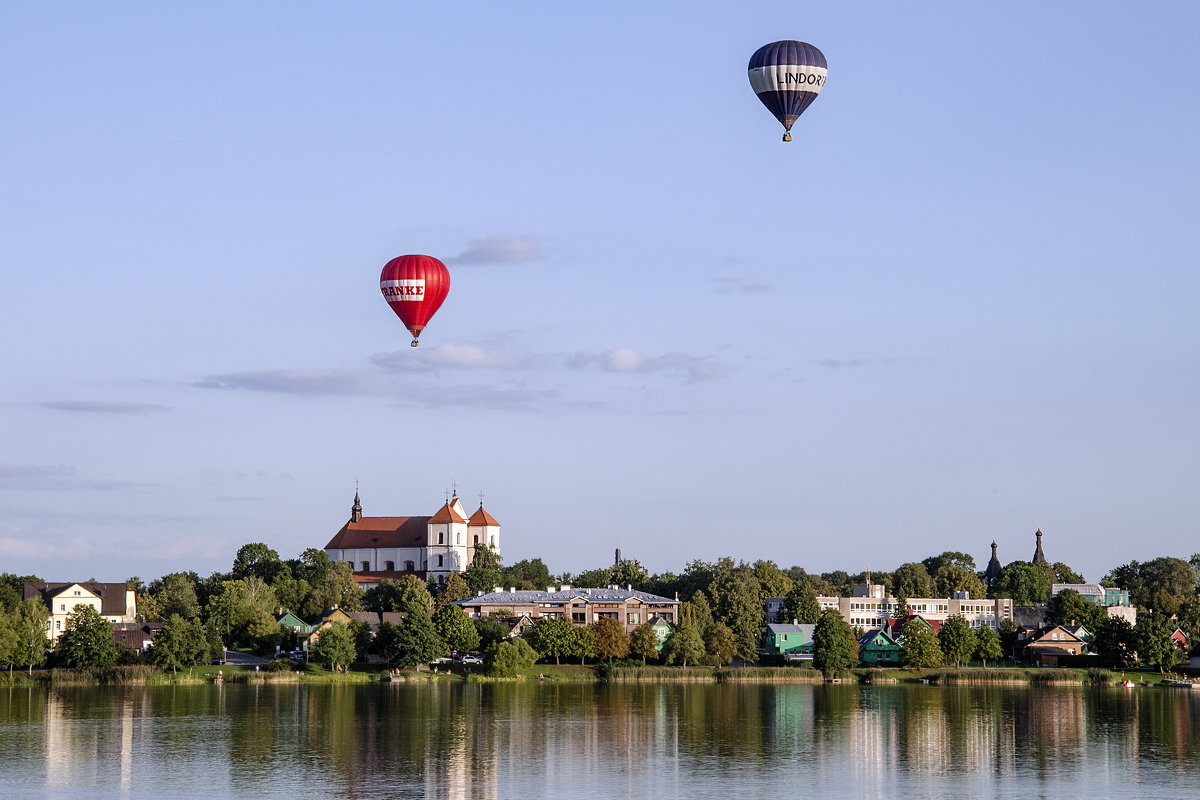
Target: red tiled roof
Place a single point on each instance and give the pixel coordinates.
(385, 575)
(446, 514)
(482, 517)
(381, 532)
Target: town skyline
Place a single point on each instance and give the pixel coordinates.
(957, 307)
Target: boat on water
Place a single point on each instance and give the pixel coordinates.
(1180, 683)
(1126, 684)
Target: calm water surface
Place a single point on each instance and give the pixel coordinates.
(548, 740)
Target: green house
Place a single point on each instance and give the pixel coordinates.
(876, 648)
(662, 629)
(789, 641)
(294, 624)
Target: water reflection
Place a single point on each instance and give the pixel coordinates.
(642, 740)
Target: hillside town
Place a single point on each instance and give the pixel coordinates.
(410, 591)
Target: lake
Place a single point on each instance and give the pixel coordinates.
(533, 740)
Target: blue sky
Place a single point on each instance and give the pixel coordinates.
(957, 307)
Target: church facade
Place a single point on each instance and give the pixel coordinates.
(432, 547)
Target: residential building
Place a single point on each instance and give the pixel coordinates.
(868, 608)
(582, 606)
(116, 602)
(430, 547)
(135, 635)
(1045, 648)
(792, 641)
(776, 610)
(877, 648)
(1115, 601)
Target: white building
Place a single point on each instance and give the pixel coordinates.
(115, 602)
(386, 548)
(868, 608)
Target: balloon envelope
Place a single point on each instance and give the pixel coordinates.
(787, 76)
(415, 287)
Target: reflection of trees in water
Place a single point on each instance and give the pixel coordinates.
(490, 740)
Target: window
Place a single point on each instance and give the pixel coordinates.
(390, 566)
(441, 579)
(62, 606)
(477, 540)
(458, 538)
(366, 565)
(58, 624)
(578, 617)
(408, 565)
(633, 618)
(441, 538)
(439, 561)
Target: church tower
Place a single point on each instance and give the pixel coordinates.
(1038, 556)
(993, 570)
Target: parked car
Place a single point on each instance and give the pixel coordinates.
(472, 659)
(437, 662)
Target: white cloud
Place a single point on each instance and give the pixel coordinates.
(102, 406)
(500, 250)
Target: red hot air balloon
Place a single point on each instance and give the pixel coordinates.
(414, 286)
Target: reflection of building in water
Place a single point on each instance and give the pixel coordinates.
(84, 746)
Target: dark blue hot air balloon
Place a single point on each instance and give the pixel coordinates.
(787, 76)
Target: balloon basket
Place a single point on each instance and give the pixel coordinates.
(414, 343)
(787, 137)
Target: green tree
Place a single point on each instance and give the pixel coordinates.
(179, 643)
(1116, 643)
(738, 603)
(408, 594)
(720, 645)
(1155, 647)
(643, 642)
(835, 649)
(335, 588)
(552, 637)
(919, 646)
(8, 639)
(593, 578)
(987, 645)
(957, 640)
(86, 641)
(258, 560)
(802, 605)
(30, 618)
(611, 639)
(773, 581)
(583, 644)
(454, 589)
(238, 604)
(629, 572)
(951, 578)
(1068, 607)
(484, 574)
(417, 642)
(1027, 584)
(683, 645)
(913, 580)
(12, 589)
(175, 593)
(455, 628)
(949, 558)
(1064, 574)
(1189, 618)
(490, 631)
(335, 647)
(525, 574)
(1006, 629)
(510, 658)
(697, 612)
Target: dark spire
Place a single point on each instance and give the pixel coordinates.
(1038, 556)
(356, 509)
(993, 569)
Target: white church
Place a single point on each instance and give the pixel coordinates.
(387, 548)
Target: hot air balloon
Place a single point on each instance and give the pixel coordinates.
(787, 76)
(414, 286)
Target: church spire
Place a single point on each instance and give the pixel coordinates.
(356, 509)
(1038, 556)
(993, 569)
